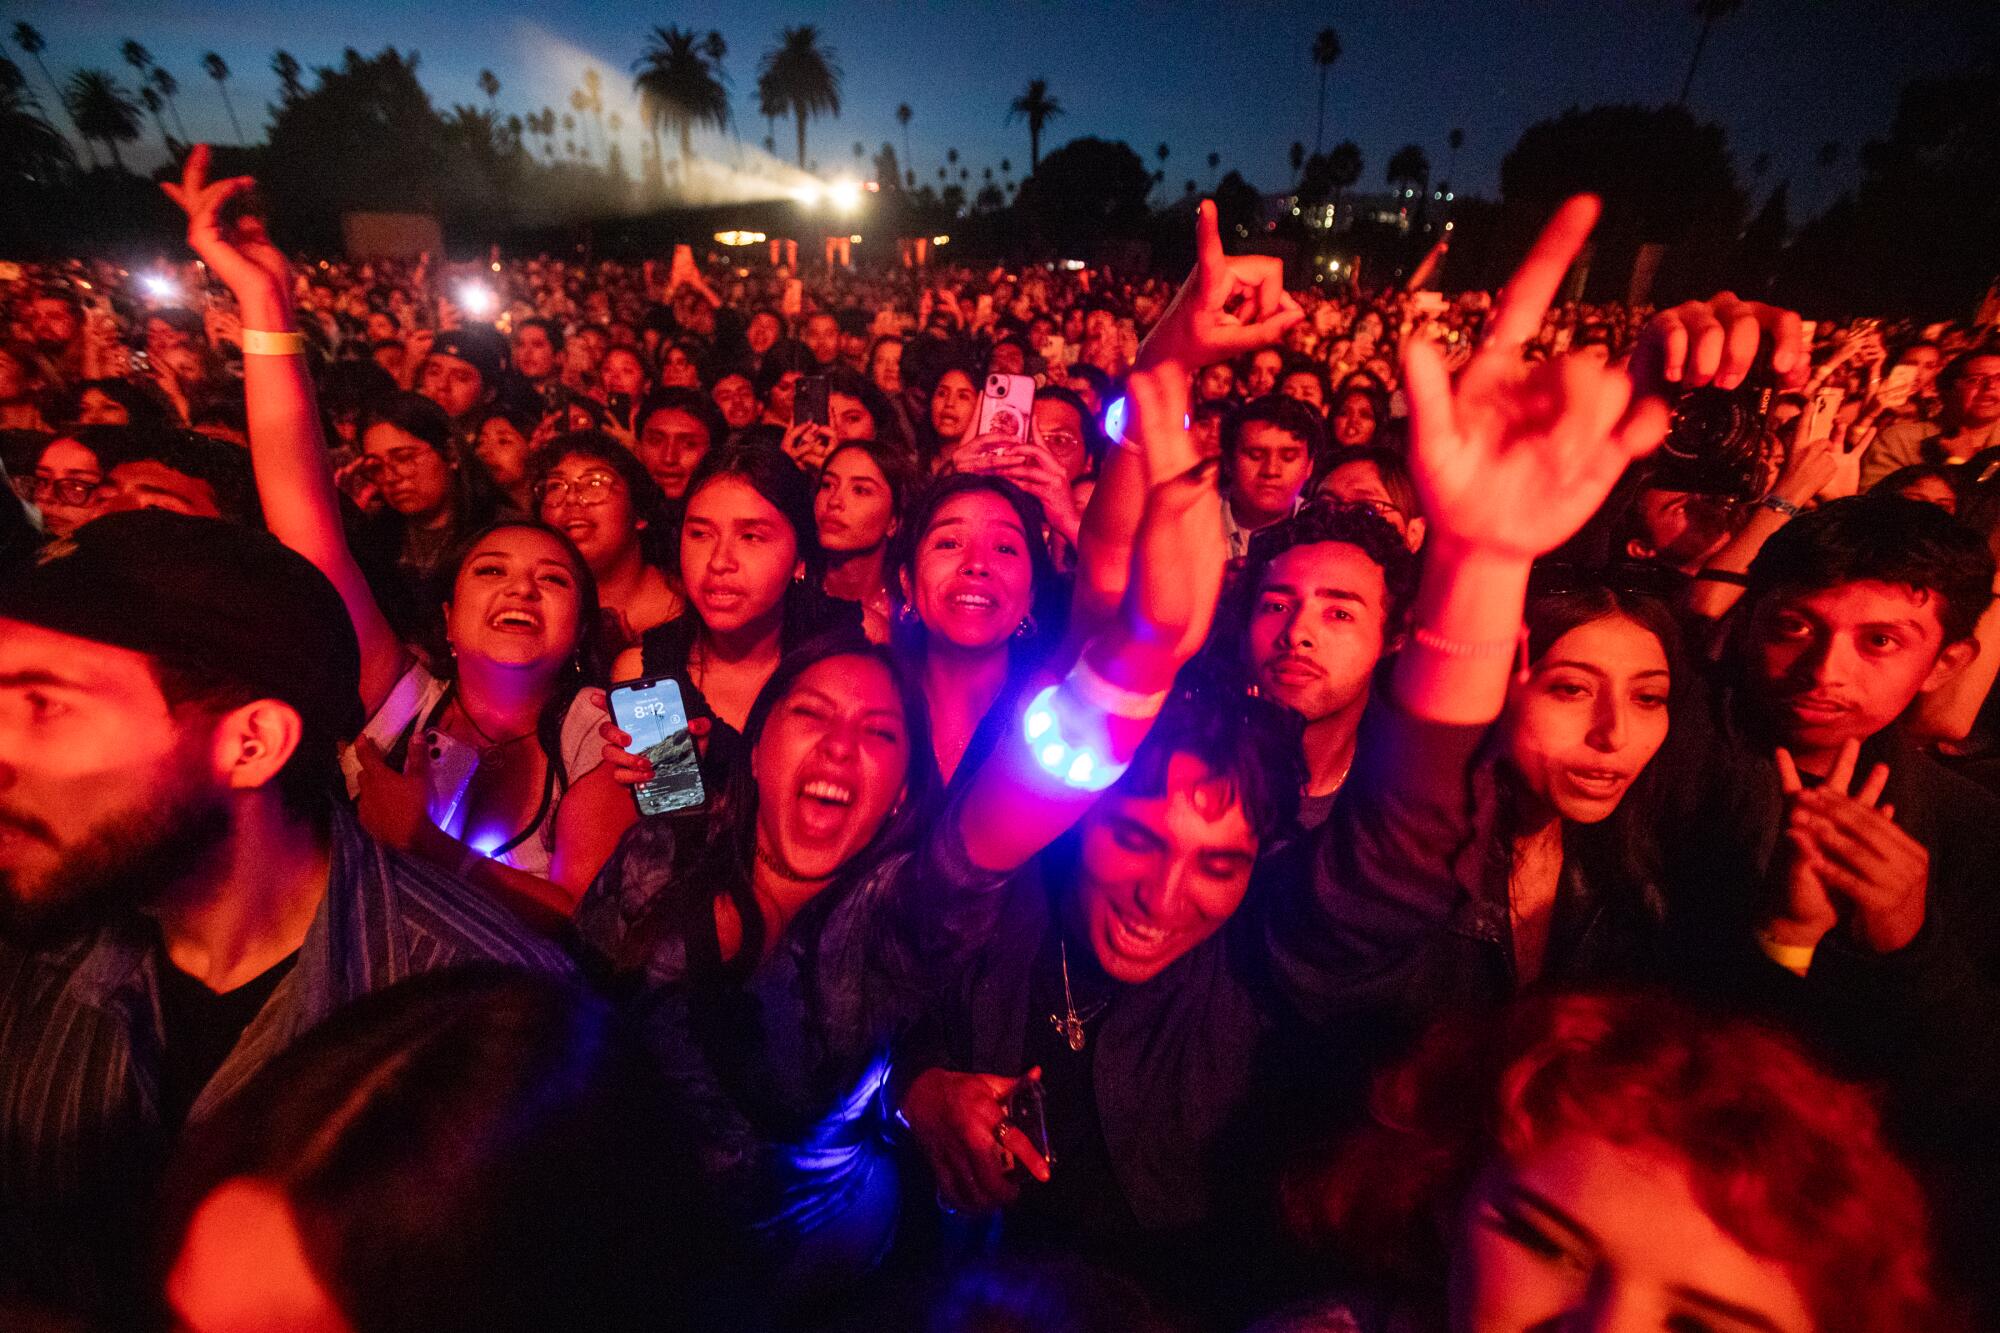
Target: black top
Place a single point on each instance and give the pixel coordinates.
(201, 1028)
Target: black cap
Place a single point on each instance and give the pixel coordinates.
(479, 346)
(203, 595)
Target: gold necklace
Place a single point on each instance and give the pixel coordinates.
(1069, 1022)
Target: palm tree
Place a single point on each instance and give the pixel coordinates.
(1298, 158)
(32, 44)
(903, 115)
(579, 102)
(286, 67)
(168, 85)
(1708, 11)
(1035, 106)
(678, 90)
(1214, 161)
(1409, 166)
(1454, 141)
(137, 56)
(1325, 50)
(593, 92)
(31, 147)
(151, 97)
(489, 83)
(218, 69)
(103, 111)
(1343, 170)
(799, 77)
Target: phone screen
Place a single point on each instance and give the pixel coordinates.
(812, 404)
(652, 714)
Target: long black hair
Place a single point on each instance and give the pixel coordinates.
(1047, 605)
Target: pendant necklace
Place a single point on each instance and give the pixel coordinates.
(1069, 1022)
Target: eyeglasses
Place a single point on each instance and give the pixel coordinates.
(1062, 441)
(403, 462)
(65, 490)
(590, 489)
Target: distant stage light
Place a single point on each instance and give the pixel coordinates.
(807, 194)
(475, 298)
(844, 195)
(739, 238)
(854, 239)
(940, 240)
(160, 287)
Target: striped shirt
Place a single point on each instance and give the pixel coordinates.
(81, 1139)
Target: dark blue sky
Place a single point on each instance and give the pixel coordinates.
(1230, 77)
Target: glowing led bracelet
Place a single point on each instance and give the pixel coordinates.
(1079, 762)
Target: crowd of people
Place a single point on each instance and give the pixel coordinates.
(1520, 776)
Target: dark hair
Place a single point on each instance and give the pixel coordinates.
(1250, 744)
(352, 388)
(1959, 366)
(108, 443)
(143, 405)
(1378, 404)
(1331, 521)
(311, 779)
(679, 398)
(848, 382)
(475, 1148)
(1094, 377)
(898, 469)
(1895, 483)
(773, 475)
(1388, 465)
(1045, 604)
(785, 356)
(1298, 365)
(649, 502)
(1881, 539)
(1790, 1162)
(414, 415)
(224, 466)
(547, 326)
(1289, 415)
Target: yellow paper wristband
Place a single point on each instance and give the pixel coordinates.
(263, 342)
(1792, 957)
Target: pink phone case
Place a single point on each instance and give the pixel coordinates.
(1006, 406)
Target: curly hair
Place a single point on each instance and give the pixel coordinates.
(1789, 1161)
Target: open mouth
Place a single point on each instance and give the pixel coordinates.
(515, 620)
(1814, 708)
(1134, 938)
(1600, 782)
(823, 808)
(978, 603)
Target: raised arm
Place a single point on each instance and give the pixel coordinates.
(294, 479)
(1509, 462)
(1075, 737)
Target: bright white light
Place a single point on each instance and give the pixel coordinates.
(739, 238)
(161, 287)
(475, 298)
(1074, 265)
(854, 239)
(1449, 196)
(807, 193)
(1114, 419)
(940, 240)
(844, 195)
(1449, 225)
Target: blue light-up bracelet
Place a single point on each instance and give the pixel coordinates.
(1066, 732)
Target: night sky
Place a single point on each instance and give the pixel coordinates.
(1783, 76)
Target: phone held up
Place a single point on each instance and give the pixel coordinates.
(652, 713)
(812, 403)
(1006, 407)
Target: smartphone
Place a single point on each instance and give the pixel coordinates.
(619, 405)
(812, 404)
(1820, 412)
(1027, 1110)
(652, 714)
(452, 764)
(1005, 407)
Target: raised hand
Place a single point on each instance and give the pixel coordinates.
(1715, 342)
(237, 249)
(1857, 853)
(1513, 458)
(1228, 305)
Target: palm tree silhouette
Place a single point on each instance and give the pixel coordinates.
(1325, 50)
(1035, 106)
(1454, 141)
(489, 83)
(32, 44)
(31, 147)
(1343, 170)
(137, 56)
(678, 89)
(1214, 161)
(1409, 166)
(154, 104)
(1708, 11)
(1298, 159)
(218, 69)
(286, 67)
(903, 114)
(103, 111)
(799, 77)
(168, 85)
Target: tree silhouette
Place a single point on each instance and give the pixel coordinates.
(1343, 171)
(1035, 106)
(218, 69)
(103, 111)
(1409, 166)
(1085, 193)
(168, 85)
(1325, 50)
(32, 151)
(1298, 159)
(678, 90)
(1214, 161)
(286, 67)
(1708, 11)
(903, 114)
(799, 77)
(155, 104)
(1454, 141)
(32, 44)
(137, 56)
(489, 83)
